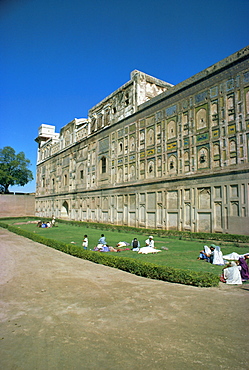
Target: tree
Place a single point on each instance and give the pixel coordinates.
(13, 169)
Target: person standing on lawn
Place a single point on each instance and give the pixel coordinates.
(85, 242)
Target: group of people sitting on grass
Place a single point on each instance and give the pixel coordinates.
(44, 224)
(212, 255)
(102, 246)
(235, 269)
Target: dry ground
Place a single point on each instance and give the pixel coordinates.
(60, 312)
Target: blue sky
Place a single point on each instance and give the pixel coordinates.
(61, 57)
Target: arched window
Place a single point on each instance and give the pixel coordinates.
(232, 146)
(120, 174)
(203, 158)
(132, 144)
(230, 102)
(172, 164)
(132, 172)
(150, 137)
(142, 136)
(171, 129)
(201, 118)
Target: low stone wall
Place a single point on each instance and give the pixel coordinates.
(14, 205)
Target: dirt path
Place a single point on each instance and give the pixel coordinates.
(60, 312)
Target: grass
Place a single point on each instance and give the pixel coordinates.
(180, 254)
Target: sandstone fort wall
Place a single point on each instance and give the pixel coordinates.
(14, 205)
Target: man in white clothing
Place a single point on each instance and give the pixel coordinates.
(150, 242)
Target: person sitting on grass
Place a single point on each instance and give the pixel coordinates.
(102, 240)
(205, 254)
(135, 245)
(231, 274)
(150, 242)
(150, 247)
(244, 271)
(217, 256)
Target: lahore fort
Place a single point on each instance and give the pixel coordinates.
(155, 155)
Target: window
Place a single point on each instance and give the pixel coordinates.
(202, 158)
(132, 144)
(103, 165)
(172, 165)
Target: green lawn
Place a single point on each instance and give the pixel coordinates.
(181, 253)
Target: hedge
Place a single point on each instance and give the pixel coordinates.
(140, 268)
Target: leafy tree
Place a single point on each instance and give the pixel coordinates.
(13, 169)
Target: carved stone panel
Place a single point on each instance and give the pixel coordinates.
(204, 198)
(204, 222)
(142, 214)
(120, 202)
(151, 200)
(234, 209)
(142, 197)
(132, 219)
(187, 214)
(217, 192)
(218, 215)
(172, 221)
(132, 201)
(151, 219)
(172, 199)
(187, 194)
(234, 191)
(120, 217)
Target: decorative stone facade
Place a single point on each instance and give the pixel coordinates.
(155, 155)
